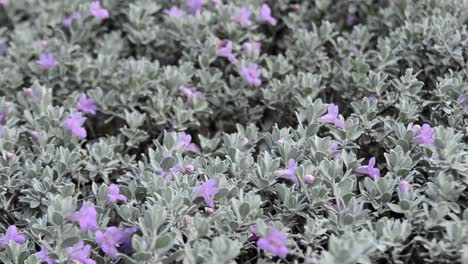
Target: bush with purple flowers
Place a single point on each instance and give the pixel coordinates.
(215, 131)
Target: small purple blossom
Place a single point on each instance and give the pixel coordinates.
(335, 152)
(289, 172)
(86, 105)
(174, 12)
(75, 124)
(254, 236)
(244, 17)
(369, 169)
(80, 252)
(404, 186)
(11, 234)
(4, 2)
(35, 136)
(207, 190)
(86, 217)
(189, 169)
(265, 15)
(225, 50)
(274, 243)
(43, 256)
(251, 47)
(309, 179)
(252, 74)
(280, 141)
(113, 194)
(185, 142)
(96, 10)
(463, 100)
(47, 61)
(190, 92)
(424, 134)
(67, 22)
(2, 117)
(170, 175)
(194, 5)
(109, 240)
(332, 116)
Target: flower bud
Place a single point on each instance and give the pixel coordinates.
(35, 136)
(309, 179)
(404, 186)
(189, 169)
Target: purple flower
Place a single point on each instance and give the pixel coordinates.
(75, 124)
(332, 116)
(43, 256)
(86, 105)
(254, 236)
(35, 136)
(47, 61)
(174, 12)
(309, 179)
(2, 117)
(67, 22)
(126, 239)
(207, 190)
(170, 175)
(195, 5)
(4, 2)
(289, 172)
(80, 252)
(423, 135)
(86, 217)
(274, 243)
(109, 240)
(463, 99)
(113, 194)
(334, 150)
(190, 92)
(243, 17)
(97, 11)
(369, 169)
(265, 15)
(251, 47)
(252, 74)
(280, 141)
(225, 50)
(76, 15)
(404, 186)
(185, 143)
(11, 235)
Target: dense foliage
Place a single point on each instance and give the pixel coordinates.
(208, 131)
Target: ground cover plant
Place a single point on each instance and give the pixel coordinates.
(242, 131)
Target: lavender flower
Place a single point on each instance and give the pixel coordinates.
(11, 235)
(309, 179)
(4, 2)
(207, 190)
(251, 47)
(195, 5)
(185, 142)
(43, 256)
(332, 116)
(67, 22)
(369, 169)
(190, 92)
(404, 186)
(424, 134)
(265, 15)
(113, 194)
(174, 12)
(243, 17)
(86, 217)
(226, 51)
(252, 74)
(35, 136)
(96, 10)
(274, 243)
(289, 172)
(254, 236)
(109, 240)
(463, 100)
(47, 61)
(170, 175)
(334, 150)
(86, 105)
(75, 124)
(80, 252)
